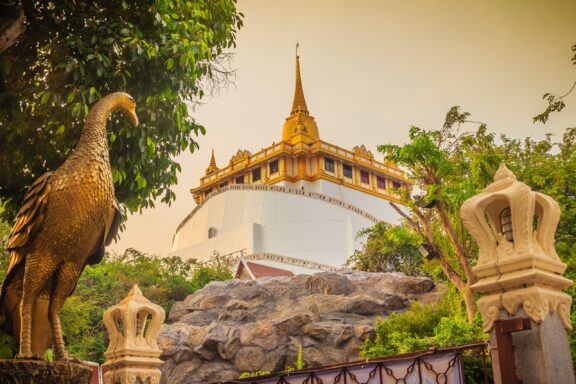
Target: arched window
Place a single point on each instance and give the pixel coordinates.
(506, 224)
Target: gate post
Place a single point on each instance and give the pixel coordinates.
(520, 275)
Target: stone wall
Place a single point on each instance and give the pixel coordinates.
(237, 326)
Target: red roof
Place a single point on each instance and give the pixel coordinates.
(259, 270)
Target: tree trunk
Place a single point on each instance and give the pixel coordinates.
(469, 301)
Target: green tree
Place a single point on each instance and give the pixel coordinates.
(165, 53)
(447, 166)
(549, 166)
(447, 174)
(388, 248)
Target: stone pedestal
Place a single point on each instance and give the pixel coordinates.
(42, 372)
(545, 340)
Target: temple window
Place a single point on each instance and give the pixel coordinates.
(211, 232)
(348, 171)
(256, 174)
(364, 177)
(224, 184)
(207, 192)
(381, 182)
(396, 185)
(329, 164)
(240, 180)
(273, 166)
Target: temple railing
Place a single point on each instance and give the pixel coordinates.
(438, 366)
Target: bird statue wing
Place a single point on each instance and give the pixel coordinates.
(29, 220)
(108, 234)
(113, 223)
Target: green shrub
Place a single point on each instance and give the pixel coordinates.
(407, 331)
(244, 375)
(456, 331)
(422, 327)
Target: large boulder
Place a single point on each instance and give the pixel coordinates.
(237, 326)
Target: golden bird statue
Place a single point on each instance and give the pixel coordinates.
(67, 218)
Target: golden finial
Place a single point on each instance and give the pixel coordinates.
(299, 103)
(212, 167)
(213, 160)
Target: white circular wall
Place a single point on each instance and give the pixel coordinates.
(275, 220)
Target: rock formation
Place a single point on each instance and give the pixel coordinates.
(237, 326)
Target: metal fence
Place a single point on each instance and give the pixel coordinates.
(437, 366)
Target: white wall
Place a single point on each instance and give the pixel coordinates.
(274, 222)
(374, 205)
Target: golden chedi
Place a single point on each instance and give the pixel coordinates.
(293, 206)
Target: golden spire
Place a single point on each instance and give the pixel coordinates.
(213, 160)
(212, 167)
(299, 103)
(299, 126)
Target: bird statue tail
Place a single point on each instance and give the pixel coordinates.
(10, 297)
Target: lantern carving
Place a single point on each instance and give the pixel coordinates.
(133, 355)
(517, 264)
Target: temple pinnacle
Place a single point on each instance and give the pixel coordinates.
(299, 103)
(212, 167)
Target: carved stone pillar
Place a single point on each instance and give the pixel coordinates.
(520, 275)
(133, 355)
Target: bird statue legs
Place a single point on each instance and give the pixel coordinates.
(65, 279)
(36, 277)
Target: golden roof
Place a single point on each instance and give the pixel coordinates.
(299, 157)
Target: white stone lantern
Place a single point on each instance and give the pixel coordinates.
(133, 354)
(517, 264)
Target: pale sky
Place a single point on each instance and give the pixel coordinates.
(372, 69)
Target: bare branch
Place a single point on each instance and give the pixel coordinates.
(405, 216)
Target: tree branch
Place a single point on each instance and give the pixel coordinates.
(405, 216)
(450, 273)
(454, 240)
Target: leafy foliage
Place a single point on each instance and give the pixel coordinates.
(422, 327)
(388, 248)
(244, 375)
(555, 102)
(447, 166)
(162, 280)
(450, 165)
(549, 166)
(447, 172)
(165, 53)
